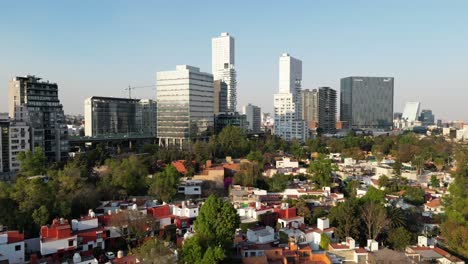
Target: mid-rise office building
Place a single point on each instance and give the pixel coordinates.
(254, 117)
(185, 101)
(288, 110)
(36, 103)
(327, 109)
(220, 96)
(367, 102)
(223, 61)
(110, 116)
(235, 119)
(426, 117)
(14, 138)
(310, 108)
(149, 112)
(411, 111)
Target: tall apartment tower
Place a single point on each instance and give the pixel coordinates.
(36, 102)
(310, 110)
(327, 109)
(367, 102)
(254, 117)
(288, 110)
(222, 66)
(185, 101)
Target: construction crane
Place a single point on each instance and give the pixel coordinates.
(130, 88)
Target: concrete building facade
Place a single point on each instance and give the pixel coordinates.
(254, 117)
(185, 101)
(310, 110)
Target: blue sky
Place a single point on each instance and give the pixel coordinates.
(101, 47)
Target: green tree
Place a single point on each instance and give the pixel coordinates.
(232, 141)
(322, 169)
(248, 174)
(41, 216)
(414, 196)
(215, 228)
(384, 181)
(439, 163)
(129, 175)
(164, 184)
(346, 217)
(435, 183)
(304, 211)
(153, 251)
(375, 195)
(396, 216)
(375, 219)
(32, 163)
(399, 238)
(397, 168)
(455, 227)
(277, 183)
(201, 151)
(324, 241)
(256, 155)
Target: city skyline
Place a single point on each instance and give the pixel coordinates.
(121, 44)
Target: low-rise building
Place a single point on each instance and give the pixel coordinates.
(12, 247)
(261, 234)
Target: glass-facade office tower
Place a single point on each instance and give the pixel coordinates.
(149, 112)
(426, 117)
(327, 109)
(110, 116)
(185, 105)
(36, 102)
(310, 110)
(222, 66)
(254, 117)
(288, 110)
(367, 102)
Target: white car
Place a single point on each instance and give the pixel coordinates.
(110, 255)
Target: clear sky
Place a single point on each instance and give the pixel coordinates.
(101, 47)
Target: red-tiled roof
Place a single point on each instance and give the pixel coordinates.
(180, 167)
(14, 236)
(434, 203)
(360, 250)
(339, 246)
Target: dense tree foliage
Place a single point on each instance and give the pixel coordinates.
(455, 227)
(214, 232)
(322, 169)
(164, 184)
(32, 163)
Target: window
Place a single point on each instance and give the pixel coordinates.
(99, 235)
(17, 247)
(70, 243)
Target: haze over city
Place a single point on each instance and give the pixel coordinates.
(99, 48)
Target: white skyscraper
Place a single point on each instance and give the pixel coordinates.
(222, 56)
(287, 103)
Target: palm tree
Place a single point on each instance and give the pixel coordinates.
(396, 216)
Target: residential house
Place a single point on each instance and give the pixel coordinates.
(12, 247)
